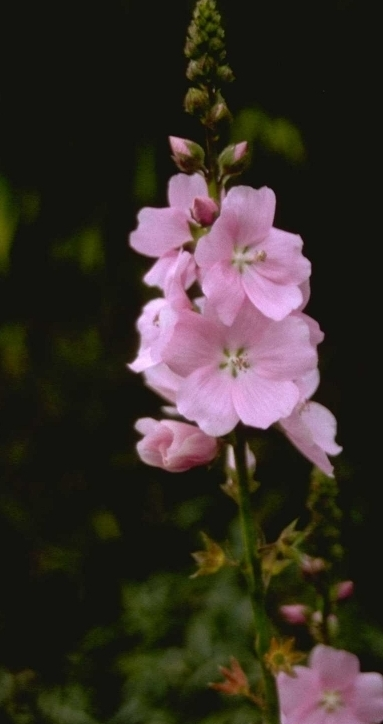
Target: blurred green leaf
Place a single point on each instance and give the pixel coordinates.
(277, 135)
(9, 216)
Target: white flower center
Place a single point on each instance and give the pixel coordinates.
(245, 256)
(331, 700)
(235, 362)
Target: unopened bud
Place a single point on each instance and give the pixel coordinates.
(233, 159)
(311, 566)
(196, 101)
(294, 613)
(344, 590)
(219, 113)
(205, 210)
(188, 156)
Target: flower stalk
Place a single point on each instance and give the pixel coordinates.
(253, 574)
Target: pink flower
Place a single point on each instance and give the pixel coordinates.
(243, 252)
(161, 230)
(174, 446)
(243, 372)
(331, 690)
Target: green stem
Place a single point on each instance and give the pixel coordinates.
(253, 573)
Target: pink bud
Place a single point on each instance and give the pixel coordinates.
(205, 210)
(310, 566)
(187, 155)
(174, 446)
(294, 613)
(233, 159)
(240, 150)
(179, 145)
(343, 590)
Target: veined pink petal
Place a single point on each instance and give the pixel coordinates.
(322, 425)
(284, 262)
(258, 401)
(299, 435)
(159, 231)
(162, 380)
(273, 300)
(217, 245)
(183, 189)
(252, 209)
(216, 283)
(196, 342)
(285, 349)
(205, 398)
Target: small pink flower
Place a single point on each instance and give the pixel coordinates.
(243, 252)
(174, 446)
(331, 690)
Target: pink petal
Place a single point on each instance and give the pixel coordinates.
(251, 210)
(284, 263)
(183, 189)
(159, 231)
(322, 426)
(218, 245)
(274, 300)
(298, 693)
(259, 401)
(299, 435)
(336, 668)
(368, 698)
(196, 342)
(215, 285)
(284, 351)
(205, 397)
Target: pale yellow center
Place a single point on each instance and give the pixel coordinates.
(331, 700)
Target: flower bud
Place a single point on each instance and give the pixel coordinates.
(188, 156)
(294, 613)
(205, 210)
(311, 566)
(233, 159)
(344, 590)
(174, 446)
(219, 112)
(196, 101)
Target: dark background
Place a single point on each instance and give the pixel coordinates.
(89, 94)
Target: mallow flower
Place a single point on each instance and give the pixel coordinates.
(331, 690)
(244, 372)
(243, 252)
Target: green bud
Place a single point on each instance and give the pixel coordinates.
(196, 101)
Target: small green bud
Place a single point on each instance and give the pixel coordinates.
(196, 101)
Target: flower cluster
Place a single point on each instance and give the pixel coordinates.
(228, 340)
